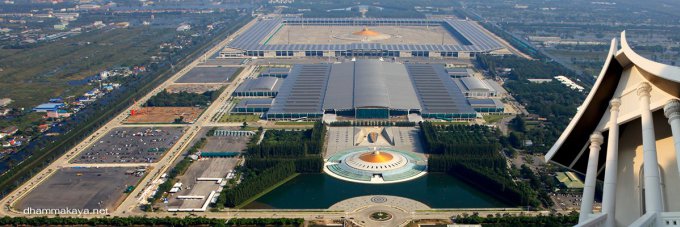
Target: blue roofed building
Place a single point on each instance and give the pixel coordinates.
(48, 107)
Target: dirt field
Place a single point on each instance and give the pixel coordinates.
(192, 88)
(80, 188)
(165, 115)
(329, 35)
(226, 144)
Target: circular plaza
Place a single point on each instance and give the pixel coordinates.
(376, 165)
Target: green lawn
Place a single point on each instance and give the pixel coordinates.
(450, 123)
(239, 118)
(493, 118)
(294, 123)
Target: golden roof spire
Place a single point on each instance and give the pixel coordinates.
(367, 32)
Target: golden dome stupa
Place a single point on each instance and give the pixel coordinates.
(367, 32)
(376, 157)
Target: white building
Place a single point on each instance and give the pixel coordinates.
(474, 87)
(632, 115)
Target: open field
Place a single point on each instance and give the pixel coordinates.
(136, 145)
(164, 115)
(30, 76)
(192, 88)
(207, 168)
(80, 188)
(493, 118)
(293, 34)
(210, 75)
(239, 118)
(226, 143)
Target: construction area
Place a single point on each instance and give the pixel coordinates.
(209, 75)
(82, 188)
(164, 115)
(131, 145)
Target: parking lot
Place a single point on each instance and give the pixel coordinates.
(81, 188)
(209, 75)
(131, 145)
(226, 143)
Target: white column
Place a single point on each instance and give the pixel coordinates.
(652, 182)
(588, 198)
(672, 112)
(611, 164)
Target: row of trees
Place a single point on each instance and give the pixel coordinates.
(147, 221)
(551, 100)
(279, 155)
(183, 98)
(499, 220)
(310, 164)
(460, 139)
(542, 185)
(289, 144)
(494, 180)
(256, 184)
(472, 153)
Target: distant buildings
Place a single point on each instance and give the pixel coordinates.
(5, 101)
(540, 81)
(473, 87)
(569, 181)
(569, 83)
(8, 131)
(281, 1)
(48, 107)
(58, 114)
(184, 27)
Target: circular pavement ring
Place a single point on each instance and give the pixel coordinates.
(380, 216)
(378, 199)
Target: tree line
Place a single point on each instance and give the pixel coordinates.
(281, 143)
(551, 100)
(279, 155)
(472, 154)
(256, 184)
(183, 98)
(507, 220)
(148, 221)
(312, 164)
